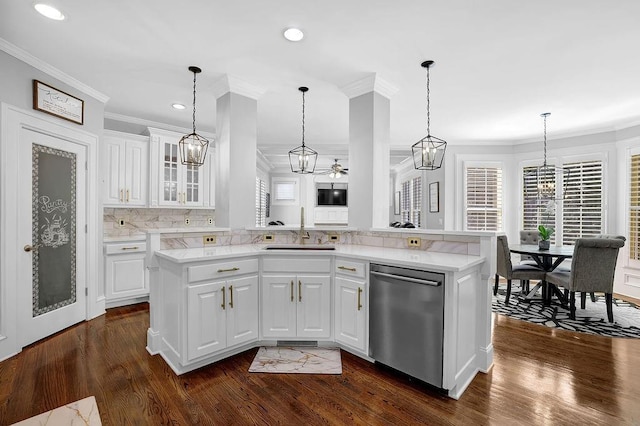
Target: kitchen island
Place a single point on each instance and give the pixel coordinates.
(212, 302)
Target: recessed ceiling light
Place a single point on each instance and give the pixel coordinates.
(49, 11)
(178, 106)
(293, 34)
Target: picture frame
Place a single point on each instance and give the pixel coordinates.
(55, 102)
(396, 203)
(434, 197)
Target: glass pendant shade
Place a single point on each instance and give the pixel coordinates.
(193, 147)
(302, 159)
(428, 152)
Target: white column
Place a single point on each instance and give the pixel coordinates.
(236, 129)
(369, 136)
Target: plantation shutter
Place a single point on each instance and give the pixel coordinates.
(484, 198)
(536, 211)
(582, 205)
(634, 209)
(416, 210)
(261, 203)
(406, 201)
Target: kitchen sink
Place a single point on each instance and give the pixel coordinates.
(300, 247)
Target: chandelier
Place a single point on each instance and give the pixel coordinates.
(546, 176)
(193, 147)
(428, 152)
(303, 159)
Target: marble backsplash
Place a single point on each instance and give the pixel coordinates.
(137, 221)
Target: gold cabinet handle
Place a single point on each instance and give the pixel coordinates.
(299, 291)
(224, 299)
(292, 290)
(228, 270)
(127, 195)
(344, 268)
(359, 301)
(30, 247)
(130, 248)
(122, 195)
(231, 294)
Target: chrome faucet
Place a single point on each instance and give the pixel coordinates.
(304, 235)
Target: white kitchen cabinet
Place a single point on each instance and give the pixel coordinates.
(221, 314)
(125, 273)
(296, 304)
(351, 305)
(125, 170)
(174, 184)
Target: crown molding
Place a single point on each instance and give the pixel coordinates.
(54, 72)
(153, 124)
(229, 83)
(371, 83)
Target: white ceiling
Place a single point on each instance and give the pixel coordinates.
(499, 63)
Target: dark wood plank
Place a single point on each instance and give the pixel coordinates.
(540, 376)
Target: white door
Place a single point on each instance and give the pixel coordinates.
(242, 310)
(52, 234)
(206, 319)
(350, 313)
(278, 306)
(314, 306)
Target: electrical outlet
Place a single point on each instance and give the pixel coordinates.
(267, 237)
(334, 238)
(210, 220)
(414, 241)
(208, 239)
(121, 222)
(187, 220)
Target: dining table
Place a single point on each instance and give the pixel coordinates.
(548, 260)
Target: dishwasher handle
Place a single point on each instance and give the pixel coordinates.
(409, 279)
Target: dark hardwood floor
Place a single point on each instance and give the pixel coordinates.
(540, 376)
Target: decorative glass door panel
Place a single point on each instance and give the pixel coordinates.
(54, 228)
(193, 184)
(170, 183)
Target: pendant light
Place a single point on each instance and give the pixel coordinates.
(303, 159)
(545, 176)
(193, 147)
(428, 152)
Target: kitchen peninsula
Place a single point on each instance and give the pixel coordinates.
(208, 303)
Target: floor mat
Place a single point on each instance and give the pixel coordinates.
(297, 360)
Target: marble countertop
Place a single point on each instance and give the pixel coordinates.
(186, 230)
(441, 262)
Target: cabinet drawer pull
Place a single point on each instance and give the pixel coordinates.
(345, 268)
(224, 299)
(231, 294)
(130, 248)
(299, 291)
(127, 195)
(228, 270)
(292, 290)
(359, 301)
(122, 195)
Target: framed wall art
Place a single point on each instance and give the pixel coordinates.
(56, 102)
(434, 197)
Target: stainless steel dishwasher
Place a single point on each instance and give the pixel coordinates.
(406, 321)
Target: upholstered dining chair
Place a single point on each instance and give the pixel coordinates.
(529, 236)
(505, 268)
(592, 269)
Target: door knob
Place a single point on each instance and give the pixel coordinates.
(29, 248)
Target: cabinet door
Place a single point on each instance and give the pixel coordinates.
(206, 319)
(125, 276)
(170, 189)
(135, 173)
(350, 311)
(113, 158)
(242, 310)
(314, 306)
(279, 306)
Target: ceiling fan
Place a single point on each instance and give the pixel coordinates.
(335, 171)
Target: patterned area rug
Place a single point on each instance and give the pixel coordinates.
(297, 360)
(593, 319)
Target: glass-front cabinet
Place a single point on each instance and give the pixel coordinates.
(177, 184)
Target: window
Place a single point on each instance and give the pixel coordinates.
(284, 190)
(582, 204)
(580, 212)
(261, 203)
(411, 205)
(634, 208)
(483, 199)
